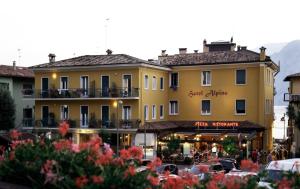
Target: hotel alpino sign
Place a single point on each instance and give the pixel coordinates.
(198, 97)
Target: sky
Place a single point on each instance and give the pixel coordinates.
(139, 28)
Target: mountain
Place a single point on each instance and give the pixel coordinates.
(289, 57)
(272, 48)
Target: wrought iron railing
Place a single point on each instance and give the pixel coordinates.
(82, 93)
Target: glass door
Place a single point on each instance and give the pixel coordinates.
(126, 85)
(84, 112)
(45, 115)
(84, 84)
(105, 85)
(45, 88)
(64, 112)
(63, 85)
(105, 116)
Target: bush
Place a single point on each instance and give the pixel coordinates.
(7, 110)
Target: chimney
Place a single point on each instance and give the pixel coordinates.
(205, 48)
(182, 50)
(195, 51)
(163, 52)
(51, 58)
(109, 52)
(238, 48)
(262, 54)
(14, 65)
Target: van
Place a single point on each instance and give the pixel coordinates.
(276, 169)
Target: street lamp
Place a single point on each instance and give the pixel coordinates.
(116, 104)
(283, 119)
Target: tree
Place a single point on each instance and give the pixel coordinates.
(173, 144)
(230, 145)
(7, 110)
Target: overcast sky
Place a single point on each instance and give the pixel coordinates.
(137, 27)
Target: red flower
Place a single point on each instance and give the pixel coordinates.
(97, 179)
(203, 168)
(124, 154)
(130, 171)
(81, 181)
(63, 128)
(285, 184)
(62, 145)
(155, 163)
(14, 134)
(136, 152)
(248, 165)
(153, 180)
(75, 148)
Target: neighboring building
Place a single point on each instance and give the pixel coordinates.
(200, 97)
(293, 97)
(20, 82)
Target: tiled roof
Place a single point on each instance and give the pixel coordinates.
(288, 78)
(216, 57)
(94, 60)
(9, 71)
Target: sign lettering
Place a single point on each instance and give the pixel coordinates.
(216, 124)
(210, 93)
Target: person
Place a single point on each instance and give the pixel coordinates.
(269, 157)
(254, 156)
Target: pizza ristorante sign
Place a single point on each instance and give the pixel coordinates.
(216, 124)
(212, 93)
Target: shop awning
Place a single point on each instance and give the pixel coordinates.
(202, 126)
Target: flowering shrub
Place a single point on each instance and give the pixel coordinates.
(60, 163)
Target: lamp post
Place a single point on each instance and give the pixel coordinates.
(116, 105)
(283, 119)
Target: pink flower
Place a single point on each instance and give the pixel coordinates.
(14, 134)
(81, 181)
(136, 152)
(97, 179)
(63, 128)
(248, 165)
(75, 148)
(154, 181)
(130, 171)
(124, 154)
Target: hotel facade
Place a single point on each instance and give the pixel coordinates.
(200, 98)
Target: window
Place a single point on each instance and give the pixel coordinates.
(174, 80)
(126, 113)
(27, 89)
(240, 77)
(173, 107)
(146, 112)
(64, 112)
(205, 107)
(4, 86)
(206, 78)
(64, 83)
(154, 83)
(146, 82)
(153, 112)
(161, 111)
(240, 107)
(161, 83)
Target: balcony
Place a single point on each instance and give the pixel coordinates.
(80, 93)
(291, 97)
(88, 124)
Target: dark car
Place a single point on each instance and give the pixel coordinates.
(228, 164)
(172, 168)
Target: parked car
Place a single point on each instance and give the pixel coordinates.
(242, 174)
(276, 169)
(228, 164)
(210, 169)
(172, 168)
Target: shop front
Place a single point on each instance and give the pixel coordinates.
(206, 137)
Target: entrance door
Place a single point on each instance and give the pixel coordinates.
(84, 112)
(105, 116)
(45, 115)
(27, 117)
(84, 84)
(45, 88)
(105, 85)
(127, 85)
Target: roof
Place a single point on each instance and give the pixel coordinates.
(210, 58)
(285, 165)
(95, 60)
(289, 77)
(21, 72)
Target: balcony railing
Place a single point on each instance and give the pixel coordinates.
(93, 124)
(291, 97)
(82, 93)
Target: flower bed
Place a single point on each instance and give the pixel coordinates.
(59, 163)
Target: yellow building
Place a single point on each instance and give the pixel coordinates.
(293, 97)
(200, 97)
